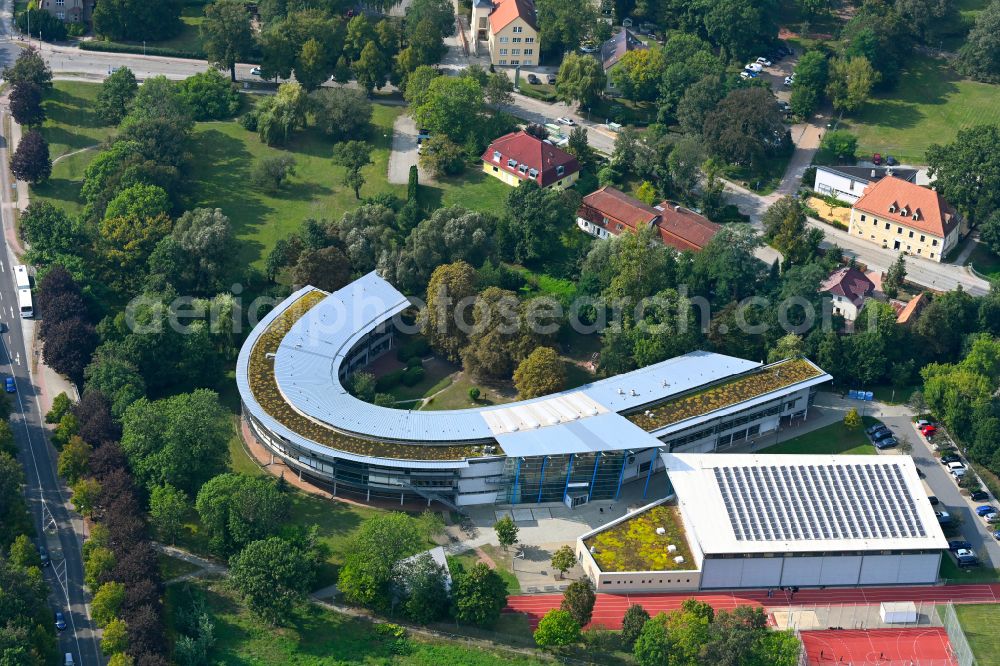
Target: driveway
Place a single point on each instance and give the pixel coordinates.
(404, 151)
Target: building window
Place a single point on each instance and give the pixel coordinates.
(518, 29)
(862, 218)
(528, 52)
(560, 170)
(503, 51)
(61, 16)
(515, 51)
(887, 225)
(504, 40)
(529, 40)
(515, 61)
(517, 40)
(934, 242)
(496, 155)
(911, 234)
(899, 230)
(918, 250)
(932, 255)
(923, 238)
(528, 61)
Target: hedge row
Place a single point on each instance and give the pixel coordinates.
(410, 376)
(118, 47)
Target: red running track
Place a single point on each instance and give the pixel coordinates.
(927, 646)
(610, 608)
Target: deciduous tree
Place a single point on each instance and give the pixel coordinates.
(851, 82)
(137, 20)
(107, 602)
(26, 104)
(478, 595)
(374, 551)
(557, 628)
(167, 507)
(581, 79)
(449, 285)
(327, 268)
(74, 459)
(227, 35)
(633, 621)
(341, 112)
(506, 530)
(967, 171)
(269, 173)
(745, 127)
(578, 600)
(895, 277)
(353, 156)
(563, 560)
(115, 95)
(85, 494)
(541, 373)
(31, 162)
(979, 56)
(29, 67)
(237, 509)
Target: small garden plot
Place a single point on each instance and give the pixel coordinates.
(634, 545)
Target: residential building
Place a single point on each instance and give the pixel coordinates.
(510, 30)
(909, 313)
(570, 447)
(849, 289)
(614, 50)
(770, 521)
(608, 212)
(848, 183)
(902, 216)
(73, 11)
(519, 156)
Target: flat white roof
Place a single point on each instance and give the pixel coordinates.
(759, 503)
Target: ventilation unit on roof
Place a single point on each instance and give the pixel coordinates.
(632, 392)
(671, 548)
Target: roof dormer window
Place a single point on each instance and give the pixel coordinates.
(523, 168)
(533, 173)
(916, 215)
(560, 170)
(904, 211)
(892, 208)
(496, 155)
(512, 163)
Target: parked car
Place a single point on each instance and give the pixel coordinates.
(928, 431)
(985, 509)
(43, 555)
(60, 621)
(565, 120)
(746, 76)
(959, 545)
(990, 518)
(255, 71)
(966, 557)
(763, 62)
(877, 159)
(551, 79)
(68, 659)
(588, 47)
(943, 517)
(887, 443)
(996, 535)
(534, 80)
(957, 470)
(922, 422)
(933, 500)
(949, 458)
(979, 495)
(871, 429)
(10, 385)
(753, 67)
(890, 160)
(789, 80)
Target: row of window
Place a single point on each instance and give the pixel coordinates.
(517, 51)
(644, 582)
(899, 230)
(739, 419)
(516, 61)
(517, 40)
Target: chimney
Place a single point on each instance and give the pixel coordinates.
(873, 173)
(677, 208)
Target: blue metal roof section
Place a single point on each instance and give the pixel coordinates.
(604, 432)
(308, 360)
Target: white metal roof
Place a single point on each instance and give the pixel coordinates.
(759, 503)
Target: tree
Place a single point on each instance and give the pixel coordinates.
(270, 172)
(24, 553)
(841, 144)
(784, 225)
(811, 75)
(979, 56)
(272, 576)
(449, 285)
(536, 221)
(374, 551)
(136, 21)
(107, 602)
(563, 24)
(851, 82)
(637, 74)
(541, 373)
(26, 104)
(442, 156)
(114, 639)
(450, 106)
(499, 91)
(73, 460)
(556, 629)
(578, 600)
(633, 621)
(41, 24)
(353, 156)
(167, 508)
(227, 36)
(581, 79)
(180, 440)
(30, 161)
(967, 171)
(85, 494)
(425, 594)
(478, 595)
(209, 95)
(371, 68)
(29, 67)
(684, 163)
(237, 509)
(788, 346)
(205, 235)
(282, 114)
(327, 268)
(116, 95)
(506, 531)
(852, 420)
(563, 560)
(895, 277)
(745, 127)
(341, 112)
(13, 513)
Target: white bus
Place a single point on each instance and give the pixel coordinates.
(21, 278)
(24, 303)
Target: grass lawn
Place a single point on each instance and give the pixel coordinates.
(951, 572)
(891, 395)
(764, 180)
(985, 262)
(469, 558)
(456, 396)
(189, 38)
(315, 636)
(979, 622)
(472, 189)
(171, 567)
(834, 438)
(930, 104)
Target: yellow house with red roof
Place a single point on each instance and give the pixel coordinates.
(519, 156)
(510, 29)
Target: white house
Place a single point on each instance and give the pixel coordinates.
(848, 183)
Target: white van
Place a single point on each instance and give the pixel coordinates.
(69, 659)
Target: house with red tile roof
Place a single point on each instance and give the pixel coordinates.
(912, 310)
(903, 216)
(849, 288)
(519, 156)
(509, 28)
(609, 212)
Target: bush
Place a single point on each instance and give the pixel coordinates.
(418, 347)
(415, 362)
(389, 380)
(43, 25)
(210, 94)
(76, 29)
(249, 120)
(413, 376)
(474, 394)
(118, 47)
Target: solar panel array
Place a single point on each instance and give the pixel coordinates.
(817, 502)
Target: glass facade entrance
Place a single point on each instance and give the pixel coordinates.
(536, 479)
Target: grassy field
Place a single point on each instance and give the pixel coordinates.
(951, 572)
(985, 262)
(171, 567)
(979, 622)
(834, 438)
(930, 104)
(189, 38)
(315, 636)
